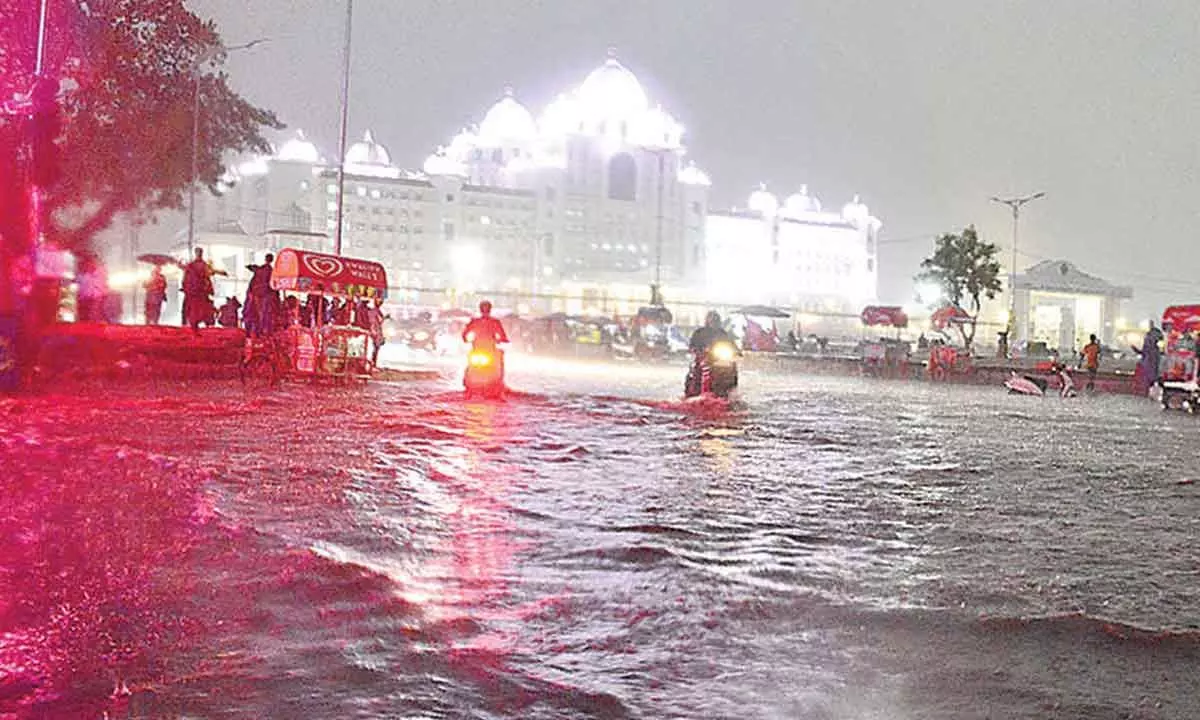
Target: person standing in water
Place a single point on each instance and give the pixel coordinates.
(1147, 369)
(1091, 361)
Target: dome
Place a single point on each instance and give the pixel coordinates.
(656, 128)
(692, 175)
(801, 203)
(856, 212)
(368, 152)
(508, 121)
(763, 202)
(299, 149)
(611, 91)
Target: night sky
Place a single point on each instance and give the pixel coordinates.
(925, 107)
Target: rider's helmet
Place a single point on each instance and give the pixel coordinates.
(485, 308)
(712, 319)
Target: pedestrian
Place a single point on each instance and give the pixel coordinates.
(228, 315)
(374, 316)
(92, 290)
(1091, 361)
(260, 304)
(1147, 368)
(197, 292)
(1002, 345)
(156, 295)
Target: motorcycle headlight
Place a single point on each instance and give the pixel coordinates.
(723, 352)
(479, 359)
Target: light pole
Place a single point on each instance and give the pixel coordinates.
(207, 56)
(656, 298)
(41, 40)
(341, 178)
(1015, 204)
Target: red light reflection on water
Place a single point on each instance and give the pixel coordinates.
(90, 541)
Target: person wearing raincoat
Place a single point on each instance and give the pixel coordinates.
(156, 295)
(1147, 368)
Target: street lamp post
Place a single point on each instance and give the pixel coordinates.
(341, 177)
(656, 298)
(41, 40)
(207, 56)
(1015, 204)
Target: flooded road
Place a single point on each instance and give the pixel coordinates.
(592, 547)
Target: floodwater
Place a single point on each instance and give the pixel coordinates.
(837, 549)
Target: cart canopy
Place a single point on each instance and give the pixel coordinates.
(1182, 318)
(309, 272)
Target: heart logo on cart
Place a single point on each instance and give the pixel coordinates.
(324, 266)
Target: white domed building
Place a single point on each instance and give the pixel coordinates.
(793, 255)
(616, 205)
(265, 193)
(592, 197)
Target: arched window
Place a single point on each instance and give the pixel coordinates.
(622, 177)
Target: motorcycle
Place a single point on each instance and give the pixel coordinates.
(714, 372)
(1025, 385)
(421, 338)
(1029, 385)
(484, 376)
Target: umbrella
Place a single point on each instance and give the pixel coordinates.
(158, 259)
(761, 311)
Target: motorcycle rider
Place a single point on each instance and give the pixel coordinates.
(701, 343)
(485, 332)
(709, 334)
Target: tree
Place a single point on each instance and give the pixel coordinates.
(965, 269)
(126, 72)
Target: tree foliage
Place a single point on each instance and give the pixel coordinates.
(966, 270)
(127, 72)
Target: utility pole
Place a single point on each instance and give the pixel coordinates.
(341, 177)
(1015, 204)
(203, 58)
(41, 41)
(656, 289)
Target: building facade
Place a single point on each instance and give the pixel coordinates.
(793, 254)
(1060, 305)
(593, 198)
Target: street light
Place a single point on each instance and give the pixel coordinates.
(41, 39)
(208, 55)
(341, 177)
(1015, 204)
(656, 298)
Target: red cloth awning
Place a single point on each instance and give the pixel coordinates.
(884, 315)
(309, 272)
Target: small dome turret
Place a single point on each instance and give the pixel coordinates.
(763, 202)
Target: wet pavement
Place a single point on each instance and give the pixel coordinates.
(593, 547)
